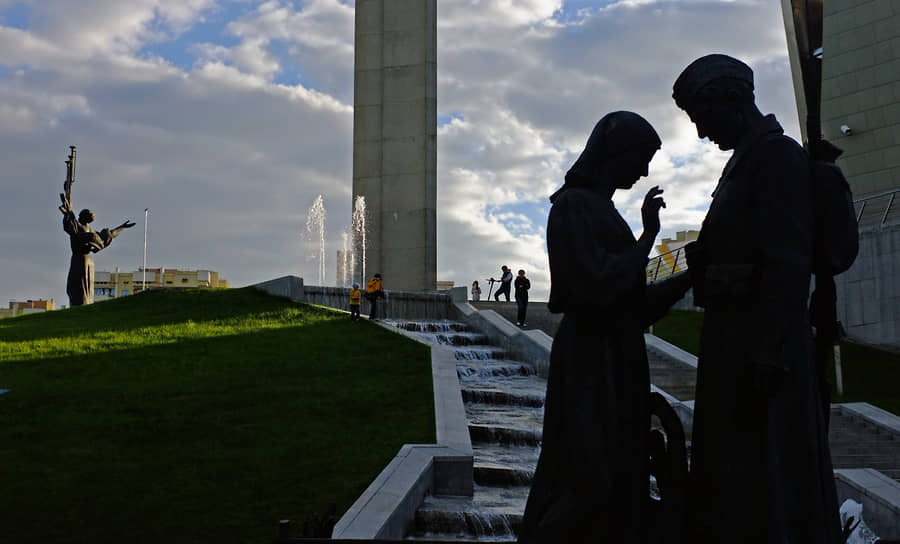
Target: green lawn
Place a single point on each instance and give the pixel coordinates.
(871, 374)
(197, 416)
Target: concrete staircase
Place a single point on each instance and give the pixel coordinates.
(672, 376)
(857, 443)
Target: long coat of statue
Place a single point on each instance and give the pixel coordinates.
(760, 465)
(592, 479)
(84, 241)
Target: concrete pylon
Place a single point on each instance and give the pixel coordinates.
(394, 138)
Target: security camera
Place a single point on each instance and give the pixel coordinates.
(846, 130)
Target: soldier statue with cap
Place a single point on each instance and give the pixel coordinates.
(760, 465)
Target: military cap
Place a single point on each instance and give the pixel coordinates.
(706, 70)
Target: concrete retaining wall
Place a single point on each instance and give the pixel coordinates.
(434, 305)
(388, 506)
(395, 305)
(869, 293)
(532, 346)
(879, 495)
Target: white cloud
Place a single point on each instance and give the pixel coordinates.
(230, 152)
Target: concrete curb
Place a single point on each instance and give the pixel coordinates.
(879, 495)
(882, 419)
(685, 410)
(531, 346)
(286, 286)
(387, 507)
(671, 350)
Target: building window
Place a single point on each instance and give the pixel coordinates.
(125, 293)
(184, 280)
(168, 283)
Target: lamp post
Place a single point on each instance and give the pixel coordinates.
(144, 280)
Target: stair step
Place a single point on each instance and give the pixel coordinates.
(504, 435)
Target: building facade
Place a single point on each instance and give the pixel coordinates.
(109, 285)
(860, 113)
(28, 307)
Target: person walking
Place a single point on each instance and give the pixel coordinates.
(522, 286)
(505, 283)
(355, 299)
(476, 291)
(374, 291)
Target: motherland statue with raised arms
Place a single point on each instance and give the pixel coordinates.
(84, 240)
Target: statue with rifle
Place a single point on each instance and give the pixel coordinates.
(84, 241)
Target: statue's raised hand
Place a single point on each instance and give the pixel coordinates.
(66, 205)
(126, 225)
(650, 210)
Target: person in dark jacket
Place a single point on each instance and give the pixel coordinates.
(374, 291)
(591, 481)
(522, 285)
(760, 465)
(505, 282)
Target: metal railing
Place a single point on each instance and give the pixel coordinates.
(666, 264)
(877, 210)
(872, 211)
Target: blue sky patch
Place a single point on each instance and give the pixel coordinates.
(447, 118)
(681, 160)
(521, 218)
(212, 30)
(15, 16)
(291, 73)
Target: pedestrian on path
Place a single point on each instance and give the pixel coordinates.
(522, 286)
(374, 291)
(476, 291)
(355, 299)
(505, 283)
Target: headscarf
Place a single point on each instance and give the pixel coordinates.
(614, 134)
(704, 71)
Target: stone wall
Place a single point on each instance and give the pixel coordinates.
(869, 293)
(395, 305)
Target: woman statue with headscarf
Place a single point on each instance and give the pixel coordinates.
(592, 478)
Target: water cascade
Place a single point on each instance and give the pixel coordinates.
(315, 228)
(504, 402)
(358, 226)
(346, 274)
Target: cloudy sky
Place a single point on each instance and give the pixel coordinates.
(227, 118)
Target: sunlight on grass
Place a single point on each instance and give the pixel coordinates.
(198, 416)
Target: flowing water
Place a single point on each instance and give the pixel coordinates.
(504, 401)
(346, 274)
(358, 227)
(315, 227)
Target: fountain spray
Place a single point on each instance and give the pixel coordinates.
(315, 226)
(359, 237)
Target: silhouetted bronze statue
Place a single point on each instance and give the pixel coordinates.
(592, 478)
(84, 240)
(760, 464)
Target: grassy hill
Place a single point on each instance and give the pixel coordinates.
(197, 416)
(870, 373)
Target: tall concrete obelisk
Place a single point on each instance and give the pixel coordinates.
(394, 138)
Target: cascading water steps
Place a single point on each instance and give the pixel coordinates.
(504, 402)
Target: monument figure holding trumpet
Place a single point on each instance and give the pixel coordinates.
(84, 241)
